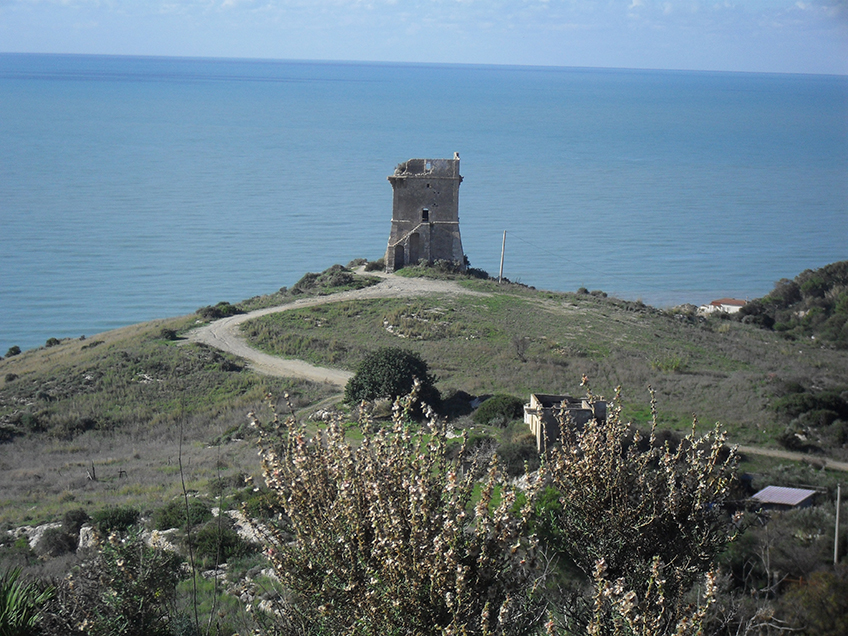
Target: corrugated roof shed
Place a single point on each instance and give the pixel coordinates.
(782, 496)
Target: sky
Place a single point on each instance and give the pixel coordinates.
(784, 36)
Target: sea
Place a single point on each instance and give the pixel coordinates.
(134, 188)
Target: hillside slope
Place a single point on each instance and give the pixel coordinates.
(119, 404)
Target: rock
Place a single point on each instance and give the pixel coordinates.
(34, 534)
(87, 538)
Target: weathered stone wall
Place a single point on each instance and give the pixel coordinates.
(425, 213)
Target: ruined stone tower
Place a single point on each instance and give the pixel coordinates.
(425, 213)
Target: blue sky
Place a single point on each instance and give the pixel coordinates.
(806, 36)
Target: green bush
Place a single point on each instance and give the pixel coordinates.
(73, 520)
(221, 310)
(818, 606)
(174, 514)
(115, 519)
(499, 410)
(390, 372)
(55, 542)
(138, 589)
(13, 351)
(519, 455)
(375, 266)
(217, 542)
(52, 342)
(258, 505)
(796, 404)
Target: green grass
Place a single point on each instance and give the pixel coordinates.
(117, 401)
(720, 374)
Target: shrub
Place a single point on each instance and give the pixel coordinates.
(375, 266)
(168, 334)
(52, 342)
(115, 519)
(174, 514)
(819, 606)
(73, 520)
(519, 455)
(137, 586)
(20, 604)
(499, 409)
(221, 310)
(381, 540)
(217, 542)
(306, 282)
(259, 505)
(795, 404)
(13, 351)
(55, 542)
(642, 525)
(456, 403)
(388, 373)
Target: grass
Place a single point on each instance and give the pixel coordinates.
(117, 402)
(116, 410)
(719, 373)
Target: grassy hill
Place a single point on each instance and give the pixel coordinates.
(105, 420)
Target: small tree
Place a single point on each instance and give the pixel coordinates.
(389, 373)
(642, 525)
(382, 538)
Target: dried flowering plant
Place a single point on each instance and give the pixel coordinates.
(392, 536)
(644, 524)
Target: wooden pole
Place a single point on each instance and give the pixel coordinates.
(503, 246)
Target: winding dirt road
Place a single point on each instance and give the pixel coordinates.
(225, 334)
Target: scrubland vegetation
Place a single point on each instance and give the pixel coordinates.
(386, 519)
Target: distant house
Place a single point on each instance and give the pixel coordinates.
(543, 412)
(782, 498)
(726, 305)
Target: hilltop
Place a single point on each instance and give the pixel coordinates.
(105, 420)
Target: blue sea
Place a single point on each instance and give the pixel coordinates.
(134, 188)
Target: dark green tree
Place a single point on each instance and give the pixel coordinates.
(390, 372)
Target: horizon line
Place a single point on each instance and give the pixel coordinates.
(550, 67)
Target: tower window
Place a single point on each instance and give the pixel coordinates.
(425, 215)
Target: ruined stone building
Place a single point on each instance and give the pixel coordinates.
(425, 213)
(544, 412)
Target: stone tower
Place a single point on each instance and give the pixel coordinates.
(425, 213)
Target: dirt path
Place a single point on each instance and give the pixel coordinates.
(796, 457)
(225, 334)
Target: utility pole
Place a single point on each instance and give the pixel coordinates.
(836, 533)
(503, 246)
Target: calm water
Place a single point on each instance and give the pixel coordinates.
(139, 188)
